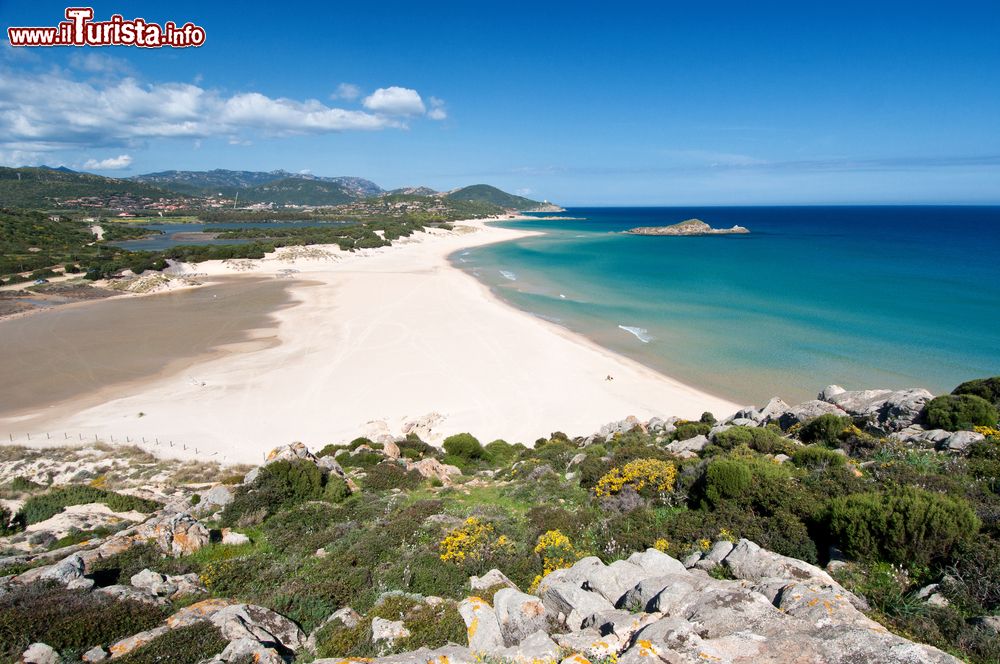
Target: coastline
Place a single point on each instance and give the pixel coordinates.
(369, 332)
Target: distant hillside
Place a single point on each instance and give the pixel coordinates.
(411, 191)
(484, 193)
(44, 187)
(300, 191)
(252, 184)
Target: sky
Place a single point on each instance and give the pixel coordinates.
(581, 103)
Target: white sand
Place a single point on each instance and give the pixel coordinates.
(389, 336)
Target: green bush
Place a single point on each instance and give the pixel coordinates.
(984, 388)
(336, 489)
(726, 479)
(957, 412)
(330, 450)
(278, 485)
(184, 645)
(815, 456)
(825, 429)
(390, 475)
(501, 453)
(690, 430)
(464, 446)
(45, 506)
(766, 440)
(358, 442)
(6, 527)
(908, 526)
(70, 621)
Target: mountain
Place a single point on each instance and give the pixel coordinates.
(412, 191)
(229, 183)
(484, 193)
(301, 191)
(44, 187)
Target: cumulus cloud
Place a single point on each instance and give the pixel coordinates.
(395, 101)
(347, 91)
(109, 164)
(53, 109)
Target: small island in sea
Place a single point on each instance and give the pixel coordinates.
(687, 227)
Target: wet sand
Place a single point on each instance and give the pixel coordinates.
(79, 354)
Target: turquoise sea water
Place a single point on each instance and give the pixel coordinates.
(859, 296)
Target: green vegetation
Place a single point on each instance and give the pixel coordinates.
(46, 187)
(484, 193)
(985, 388)
(955, 412)
(184, 645)
(41, 507)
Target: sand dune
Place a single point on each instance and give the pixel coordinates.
(379, 339)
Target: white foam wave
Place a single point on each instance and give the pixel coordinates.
(508, 275)
(641, 333)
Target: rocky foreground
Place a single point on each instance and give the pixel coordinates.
(727, 600)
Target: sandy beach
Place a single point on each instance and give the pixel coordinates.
(377, 342)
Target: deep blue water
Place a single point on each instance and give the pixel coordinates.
(859, 296)
(168, 237)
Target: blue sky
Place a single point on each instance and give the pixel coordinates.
(581, 103)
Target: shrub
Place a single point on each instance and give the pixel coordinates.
(765, 440)
(956, 412)
(70, 621)
(726, 479)
(825, 429)
(358, 442)
(464, 446)
(6, 527)
(414, 448)
(184, 645)
(330, 450)
(984, 388)
(278, 485)
(301, 528)
(686, 430)
(501, 452)
(44, 506)
(336, 489)
(556, 551)
(472, 541)
(908, 526)
(816, 457)
(390, 475)
(651, 477)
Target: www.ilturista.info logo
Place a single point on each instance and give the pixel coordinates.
(79, 29)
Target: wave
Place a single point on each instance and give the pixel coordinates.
(641, 333)
(508, 275)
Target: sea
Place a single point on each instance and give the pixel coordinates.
(864, 297)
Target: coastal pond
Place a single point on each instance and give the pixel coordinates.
(175, 234)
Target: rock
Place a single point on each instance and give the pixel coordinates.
(291, 452)
(153, 583)
(719, 551)
(481, 624)
(238, 621)
(67, 572)
(490, 580)
(989, 623)
(214, 500)
(233, 538)
(519, 615)
(614, 580)
(829, 392)
(655, 562)
(128, 593)
(717, 429)
(960, 440)
(40, 653)
(348, 616)
(197, 612)
(692, 559)
(251, 475)
(806, 411)
(573, 602)
(694, 445)
(577, 459)
(187, 584)
(250, 650)
(95, 654)
(390, 449)
(175, 534)
(127, 645)
(774, 409)
(884, 411)
(749, 561)
(535, 648)
(640, 598)
(433, 469)
(389, 631)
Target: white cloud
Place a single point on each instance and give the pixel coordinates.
(95, 62)
(43, 111)
(395, 101)
(109, 164)
(346, 91)
(437, 111)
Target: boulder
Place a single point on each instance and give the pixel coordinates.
(960, 440)
(233, 538)
(829, 392)
(519, 615)
(347, 616)
(389, 631)
(481, 624)
(250, 650)
(127, 645)
(654, 562)
(239, 621)
(123, 593)
(614, 580)
(573, 602)
(536, 647)
(988, 623)
(175, 534)
(291, 452)
(431, 468)
(40, 653)
(95, 654)
(883, 411)
(67, 572)
(390, 449)
(491, 579)
(806, 411)
(773, 410)
(689, 446)
(213, 500)
(154, 583)
(715, 556)
(197, 612)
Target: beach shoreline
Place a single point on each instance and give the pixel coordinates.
(383, 342)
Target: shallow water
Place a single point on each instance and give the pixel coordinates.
(860, 296)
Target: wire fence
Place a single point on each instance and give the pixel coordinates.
(76, 438)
